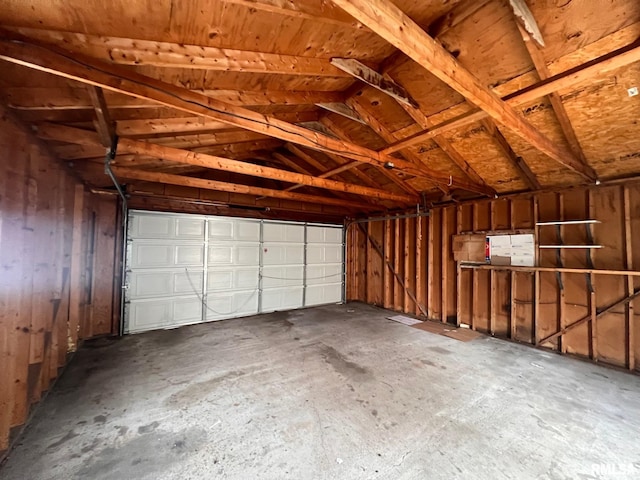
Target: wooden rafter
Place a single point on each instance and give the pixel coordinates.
(170, 179)
(516, 161)
(60, 133)
(398, 29)
(570, 78)
(104, 124)
(52, 98)
(128, 51)
(554, 98)
(193, 124)
(116, 78)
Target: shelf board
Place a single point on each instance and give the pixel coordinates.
(570, 246)
(568, 222)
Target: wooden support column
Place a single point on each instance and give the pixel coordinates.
(629, 312)
(420, 263)
(388, 279)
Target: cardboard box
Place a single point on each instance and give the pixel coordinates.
(469, 248)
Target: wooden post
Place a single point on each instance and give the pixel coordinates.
(631, 361)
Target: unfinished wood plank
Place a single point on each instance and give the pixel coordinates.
(393, 25)
(628, 247)
(398, 264)
(76, 286)
(388, 249)
(127, 51)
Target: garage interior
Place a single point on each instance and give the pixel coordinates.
(319, 239)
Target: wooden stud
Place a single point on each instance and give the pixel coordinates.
(104, 124)
(631, 360)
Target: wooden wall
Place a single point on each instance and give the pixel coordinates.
(525, 305)
(56, 271)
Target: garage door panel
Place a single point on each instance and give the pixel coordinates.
(279, 232)
(164, 313)
(226, 229)
(322, 294)
(324, 235)
(277, 276)
(321, 274)
(232, 279)
(155, 255)
(231, 304)
(230, 254)
(281, 298)
(283, 254)
(324, 253)
(153, 283)
(159, 226)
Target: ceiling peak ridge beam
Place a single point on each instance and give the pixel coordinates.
(170, 179)
(74, 135)
(51, 59)
(611, 61)
(129, 51)
(369, 76)
(398, 29)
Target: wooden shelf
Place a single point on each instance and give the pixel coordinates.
(568, 222)
(477, 266)
(569, 246)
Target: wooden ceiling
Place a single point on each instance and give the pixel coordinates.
(328, 108)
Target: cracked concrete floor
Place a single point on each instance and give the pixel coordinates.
(335, 392)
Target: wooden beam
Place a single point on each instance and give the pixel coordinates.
(516, 161)
(52, 132)
(173, 126)
(62, 98)
(155, 177)
(341, 109)
(128, 51)
(104, 124)
(210, 139)
(554, 98)
(369, 76)
(116, 78)
(393, 25)
(565, 80)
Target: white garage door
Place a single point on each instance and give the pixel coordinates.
(184, 269)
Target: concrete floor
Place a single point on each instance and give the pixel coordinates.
(335, 392)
